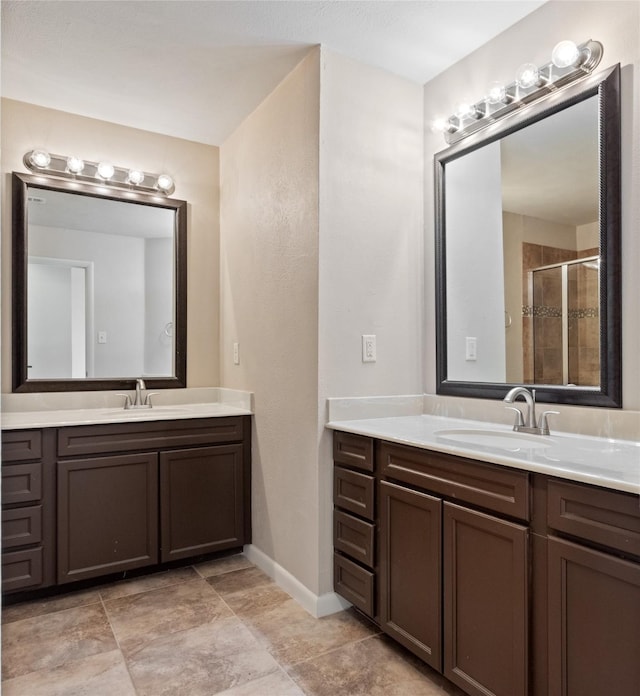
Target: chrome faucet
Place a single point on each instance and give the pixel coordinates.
(527, 423)
(140, 400)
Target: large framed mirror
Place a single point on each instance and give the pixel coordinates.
(528, 251)
(99, 287)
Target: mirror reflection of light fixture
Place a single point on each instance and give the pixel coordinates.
(103, 173)
(569, 62)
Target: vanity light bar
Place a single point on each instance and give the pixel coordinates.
(569, 62)
(102, 173)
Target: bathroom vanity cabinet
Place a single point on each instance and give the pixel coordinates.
(508, 582)
(116, 497)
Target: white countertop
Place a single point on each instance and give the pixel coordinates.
(21, 411)
(599, 461)
(93, 416)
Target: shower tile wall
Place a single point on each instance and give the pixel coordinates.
(542, 318)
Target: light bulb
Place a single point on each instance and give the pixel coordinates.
(75, 165)
(165, 182)
(135, 177)
(440, 124)
(465, 109)
(105, 170)
(527, 76)
(565, 54)
(497, 93)
(40, 159)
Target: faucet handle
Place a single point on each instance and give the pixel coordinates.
(519, 417)
(147, 399)
(127, 400)
(543, 424)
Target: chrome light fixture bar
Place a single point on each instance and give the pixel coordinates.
(100, 173)
(569, 62)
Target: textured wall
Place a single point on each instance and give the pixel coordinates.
(194, 168)
(371, 229)
(269, 292)
(617, 26)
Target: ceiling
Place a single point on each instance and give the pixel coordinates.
(196, 69)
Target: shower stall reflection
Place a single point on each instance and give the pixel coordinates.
(561, 325)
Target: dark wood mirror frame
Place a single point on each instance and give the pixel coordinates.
(20, 381)
(606, 86)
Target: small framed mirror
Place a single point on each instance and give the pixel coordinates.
(99, 287)
(528, 251)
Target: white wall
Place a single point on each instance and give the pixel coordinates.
(194, 167)
(371, 229)
(269, 295)
(617, 26)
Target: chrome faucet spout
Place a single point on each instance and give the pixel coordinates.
(530, 400)
(140, 386)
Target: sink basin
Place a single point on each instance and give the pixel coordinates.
(497, 439)
(146, 412)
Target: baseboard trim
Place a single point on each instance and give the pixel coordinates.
(316, 605)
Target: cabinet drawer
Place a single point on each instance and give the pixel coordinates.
(354, 492)
(353, 450)
(21, 526)
(489, 486)
(148, 435)
(21, 569)
(354, 583)
(605, 517)
(354, 536)
(21, 483)
(21, 445)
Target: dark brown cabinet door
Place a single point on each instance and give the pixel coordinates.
(107, 515)
(594, 622)
(410, 570)
(201, 494)
(485, 603)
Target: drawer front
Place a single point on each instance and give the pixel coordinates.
(21, 526)
(354, 583)
(21, 569)
(489, 486)
(353, 450)
(148, 435)
(354, 492)
(21, 445)
(610, 518)
(21, 483)
(354, 537)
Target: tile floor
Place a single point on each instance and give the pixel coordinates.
(220, 627)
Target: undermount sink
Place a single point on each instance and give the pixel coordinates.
(498, 439)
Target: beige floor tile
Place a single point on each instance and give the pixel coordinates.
(139, 619)
(276, 684)
(223, 565)
(248, 592)
(292, 635)
(144, 583)
(372, 667)
(200, 661)
(54, 639)
(99, 675)
(47, 605)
